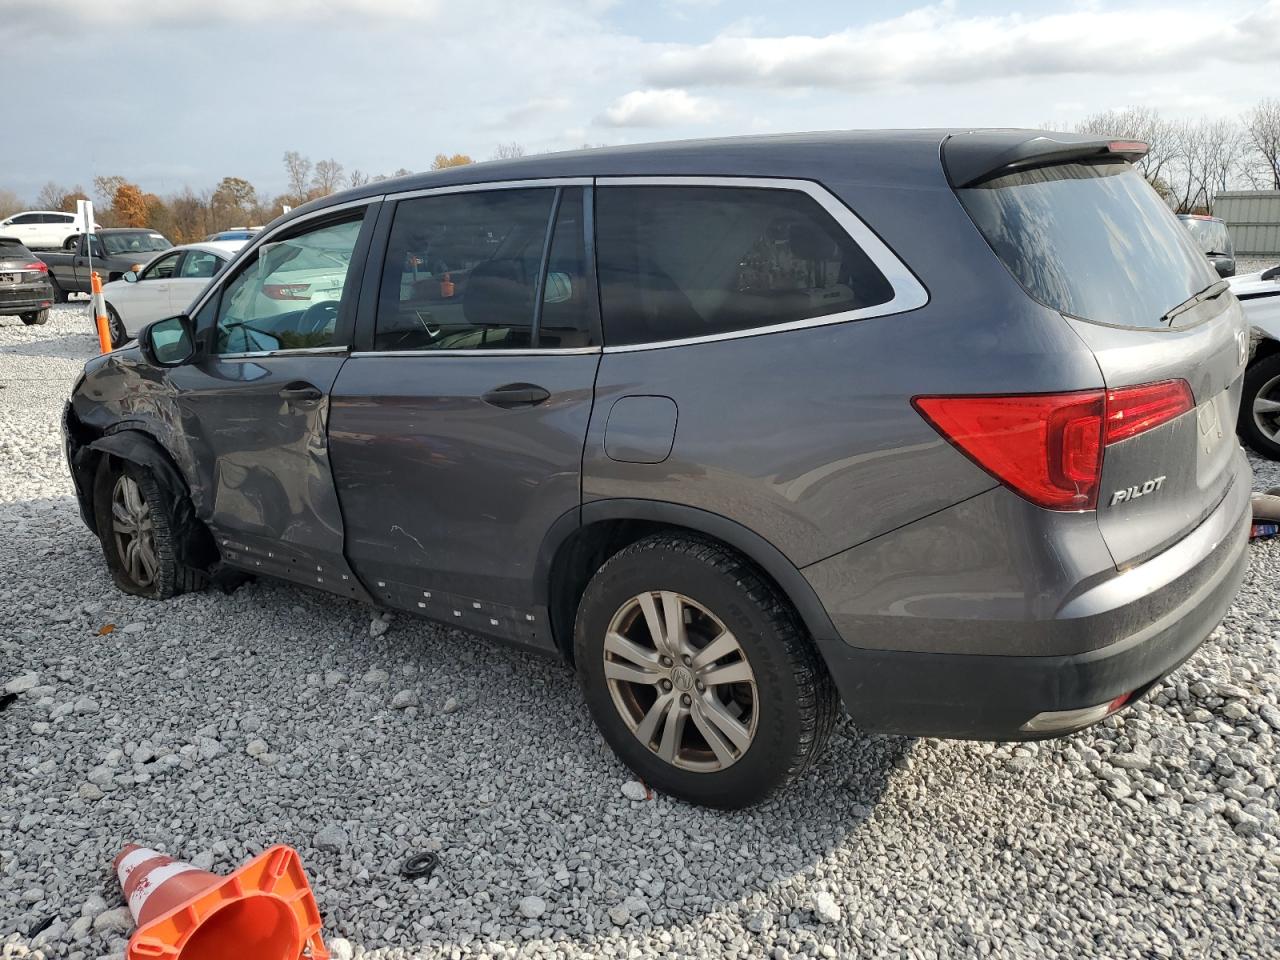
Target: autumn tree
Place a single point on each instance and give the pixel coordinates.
(69, 200)
(107, 187)
(328, 177)
(444, 160)
(297, 169)
(233, 200)
(9, 203)
(129, 206)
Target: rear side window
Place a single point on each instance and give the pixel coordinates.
(1090, 240)
(681, 262)
(462, 272)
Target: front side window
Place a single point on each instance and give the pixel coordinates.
(462, 272)
(200, 265)
(161, 268)
(681, 262)
(289, 296)
(26, 218)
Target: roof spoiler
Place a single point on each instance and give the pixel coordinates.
(971, 158)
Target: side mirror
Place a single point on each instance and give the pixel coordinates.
(130, 276)
(1271, 274)
(170, 342)
(559, 288)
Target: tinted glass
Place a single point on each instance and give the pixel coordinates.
(161, 268)
(461, 271)
(200, 264)
(1211, 236)
(678, 262)
(1090, 240)
(56, 218)
(289, 296)
(14, 250)
(143, 241)
(566, 320)
(26, 218)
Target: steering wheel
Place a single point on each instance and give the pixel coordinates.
(318, 317)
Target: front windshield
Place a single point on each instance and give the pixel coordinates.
(144, 241)
(1211, 236)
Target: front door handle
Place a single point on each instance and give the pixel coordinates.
(300, 392)
(516, 395)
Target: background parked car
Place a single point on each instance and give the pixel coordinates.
(164, 287)
(43, 229)
(115, 253)
(235, 233)
(1259, 424)
(1214, 240)
(24, 283)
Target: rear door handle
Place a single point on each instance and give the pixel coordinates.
(300, 392)
(516, 395)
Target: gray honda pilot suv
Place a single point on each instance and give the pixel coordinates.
(937, 424)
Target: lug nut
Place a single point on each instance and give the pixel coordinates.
(666, 684)
(665, 661)
(700, 686)
(686, 699)
(687, 659)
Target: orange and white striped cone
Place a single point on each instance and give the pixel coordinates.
(264, 910)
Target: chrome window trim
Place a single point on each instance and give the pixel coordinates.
(264, 235)
(908, 293)
(521, 352)
(297, 351)
(550, 182)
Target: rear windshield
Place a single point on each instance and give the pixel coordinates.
(13, 250)
(1090, 240)
(1210, 235)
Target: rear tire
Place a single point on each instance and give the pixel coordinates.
(136, 530)
(37, 319)
(1260, 428)
(119, 336)
(725, 731)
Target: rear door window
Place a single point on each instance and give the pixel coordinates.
(678, 262)
(462, 272)
(1093, 241)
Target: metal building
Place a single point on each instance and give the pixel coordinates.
(1253, 217)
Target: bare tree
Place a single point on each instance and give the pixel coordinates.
(10, 204)
(1262, 134)
(508, 151)
(357, 178)
(1208, 158)
(51, 196)
(328, 177)
(298, 170)
(1139, 123)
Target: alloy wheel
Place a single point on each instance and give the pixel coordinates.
(681, 681)
(134, 530)
(1266, 409)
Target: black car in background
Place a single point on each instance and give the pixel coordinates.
(24, 283)
(1213, 239)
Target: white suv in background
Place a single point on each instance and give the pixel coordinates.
(42, 229)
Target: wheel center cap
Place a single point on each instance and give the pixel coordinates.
(682, 679)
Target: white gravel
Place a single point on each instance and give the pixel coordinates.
(228, 723)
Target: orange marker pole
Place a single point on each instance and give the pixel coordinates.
(100, 314)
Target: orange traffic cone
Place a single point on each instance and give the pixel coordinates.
(264, 911)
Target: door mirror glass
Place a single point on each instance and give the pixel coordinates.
(559, 288)
(129, 277)
(169, 343)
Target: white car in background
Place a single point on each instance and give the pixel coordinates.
(43, 229)
(1259, 425)
(165, 287)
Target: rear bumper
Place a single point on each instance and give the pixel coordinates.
(1154, 616)
(26, 298)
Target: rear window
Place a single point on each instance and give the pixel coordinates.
(1211, 236)
(1090, 240)
(141, 242)
(682, 262)
(14, 250)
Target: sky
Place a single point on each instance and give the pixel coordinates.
(171, 93)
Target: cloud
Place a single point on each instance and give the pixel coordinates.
(657, 108)
(932, 45)
(537, 109)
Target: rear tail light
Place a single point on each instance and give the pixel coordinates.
(1048, 447)
(39, 266)
(287, 291)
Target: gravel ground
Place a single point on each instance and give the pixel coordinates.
(212, 726)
